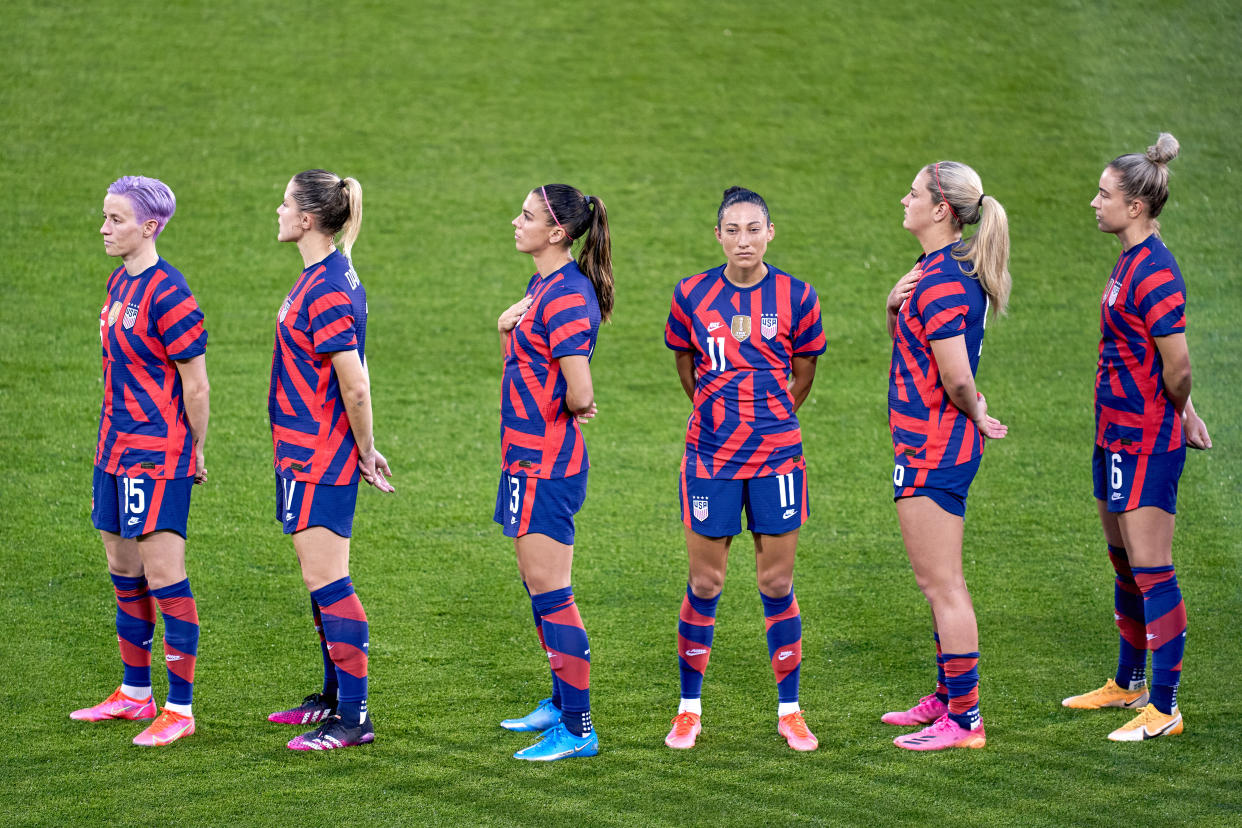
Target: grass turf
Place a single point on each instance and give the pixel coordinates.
(448, 114)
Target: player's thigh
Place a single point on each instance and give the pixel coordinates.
(776, 504)
(711, 508)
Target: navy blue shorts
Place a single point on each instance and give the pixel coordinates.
(774, 505)
(300, 505)
(134, 506)
(947, 487)
(540, 505)
(1127, 481)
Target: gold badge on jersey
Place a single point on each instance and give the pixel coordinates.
(740, 328)
(114, 313)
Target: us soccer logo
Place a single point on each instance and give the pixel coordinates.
(768, 325)
(1112, 294)
(700, 507)
(131, 316)
(283, 310)
(740, 328)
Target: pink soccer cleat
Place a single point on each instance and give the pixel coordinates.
(165, 730)
(117, 706)
(686, 728)
(929, 708)
(942, 734)
(797, 734)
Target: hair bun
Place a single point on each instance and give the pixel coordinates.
(1164, 150)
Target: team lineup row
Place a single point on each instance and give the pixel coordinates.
(746, 336)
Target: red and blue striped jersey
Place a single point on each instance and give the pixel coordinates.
(744, 340)
(326, 312)
(1145, 298)
(148, 322)
(928, 429)
(539, 437)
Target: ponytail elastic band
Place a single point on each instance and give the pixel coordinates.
(548, 204)
(936, 170)
(981, 200)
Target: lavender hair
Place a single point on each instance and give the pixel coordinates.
(150, 198)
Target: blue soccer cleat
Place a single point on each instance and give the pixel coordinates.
(544, 716)
(559, 743)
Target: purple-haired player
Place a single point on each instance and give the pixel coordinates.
(152, 425)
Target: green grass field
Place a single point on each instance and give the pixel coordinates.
(448, 114)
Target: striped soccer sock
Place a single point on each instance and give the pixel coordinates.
(783, 623)
(1128, 612)
(534, 611)
(569, 654)
(961, 672)
(329, 689)
(942, 688)
(180, 639)
(696, 627)
(347, 634)
(135, 629)
(1166, 631)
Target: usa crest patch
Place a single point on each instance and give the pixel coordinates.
(768, 325)
(699, 505)
(283, 310)
(131, 316)
(1112, 294)
(740, 328)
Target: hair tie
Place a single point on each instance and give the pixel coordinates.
(936, 170)
(588, 201)
(980, 205)
(342, 184)
(548, 204)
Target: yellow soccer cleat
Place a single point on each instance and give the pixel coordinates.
(1110, 695)
(1148, 725)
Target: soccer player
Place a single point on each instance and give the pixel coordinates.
(547, 339)
(1144, 421)
(319, 404)
(152, 427)
(936, 315)
(746, 337)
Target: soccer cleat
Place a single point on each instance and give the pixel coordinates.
(314, 708)
(1110, 695)
(942, 734)
(166, 729)
(117, 706)
(1148, 725)
(686, 727)
(544, 716)
(929, 708)
(793, 728)
(559, 743)
(333, 734)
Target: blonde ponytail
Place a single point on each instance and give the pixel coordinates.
(985, 255)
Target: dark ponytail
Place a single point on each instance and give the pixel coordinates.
(584, 217)
(741, 195)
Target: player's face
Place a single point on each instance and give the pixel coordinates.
(744, 233)
(290, 223)
(533, 227)
(1112, 212)
(920, 211)
(122, 234)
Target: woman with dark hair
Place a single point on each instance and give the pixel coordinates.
(547, 339)
(936, 315)
(319, 404)
(1144, 421)
(152, 428)
(746, 336)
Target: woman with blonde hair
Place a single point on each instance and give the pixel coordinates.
(936, 315)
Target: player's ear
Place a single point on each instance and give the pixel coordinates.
(717, 229)
(149, 227)
(771, 231)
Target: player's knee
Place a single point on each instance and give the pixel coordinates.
(776, 586)
(706, 584)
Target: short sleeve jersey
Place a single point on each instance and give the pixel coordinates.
(929, 431)
(539, 436)
(1145, 298)
(744, 340)
(147, 323)
(326, 312)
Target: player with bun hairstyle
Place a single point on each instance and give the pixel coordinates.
(1144, 421)
(547, 339)
(936, 315)
(746, 337)
(319, 404)
(152, 428)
